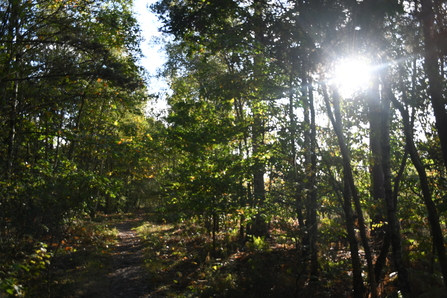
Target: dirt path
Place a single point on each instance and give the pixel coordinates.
(128, 278)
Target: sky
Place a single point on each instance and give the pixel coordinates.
(154, 57)
(149, 26)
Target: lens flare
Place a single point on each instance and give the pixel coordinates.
(352, 76)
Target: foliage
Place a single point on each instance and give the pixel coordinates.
(267, 66)
(72, 124)
(259, 143)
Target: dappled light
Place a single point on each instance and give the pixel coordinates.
(300, 149)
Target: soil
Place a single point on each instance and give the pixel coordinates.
(128, 278)
(117, 271)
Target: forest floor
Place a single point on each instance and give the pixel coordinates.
(141, 255)
(128, 277)
(110, 264)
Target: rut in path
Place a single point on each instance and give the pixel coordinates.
(128, 278)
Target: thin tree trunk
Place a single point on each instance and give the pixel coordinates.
(347, 170)
(259, 225)
(294, 177)
(433, 218)
(432, 70)
(357, 279)
(381, 259)
(391, 203)
(15, 60)
(377, 175)
(311, 169)
(438, 102)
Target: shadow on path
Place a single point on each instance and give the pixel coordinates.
(128, 278)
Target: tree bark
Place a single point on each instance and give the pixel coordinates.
(432, 70)
(310, 172)
(391, 202)
(433, 218)
(377, 174)
(313, 183)
(347, 172)
(358, 286)
(294, 176)
(15, 64)
(259, 227)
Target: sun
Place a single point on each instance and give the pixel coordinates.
(352, 75)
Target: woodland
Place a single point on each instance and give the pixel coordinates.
(303, 151)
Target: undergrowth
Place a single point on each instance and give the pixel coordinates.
(183, 263)
(59, 267)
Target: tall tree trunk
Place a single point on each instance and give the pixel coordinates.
(433, 218)
(259, 227)
(15, 60)
(431, 64)
(438, 102)
(293, 163)
(391, 202)
(377, 175)
(311, 165)
(238, 108)
(347, 173)
(357, 279)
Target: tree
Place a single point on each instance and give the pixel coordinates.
(266, 59)
(66, 83)
(431, 58)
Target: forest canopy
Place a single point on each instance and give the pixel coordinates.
(306, 124)
(324, 117)
(72, 122)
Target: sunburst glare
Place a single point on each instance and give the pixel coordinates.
(352, 75)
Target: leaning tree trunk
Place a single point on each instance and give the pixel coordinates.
(347, 172)
(391, 202)
(357, 279)
(433, 218)
(438, 103)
